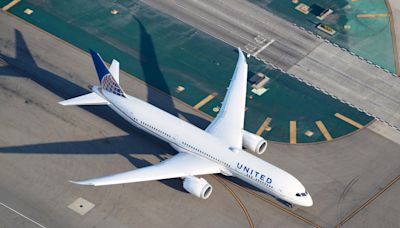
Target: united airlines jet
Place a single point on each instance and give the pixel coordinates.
(217, 149)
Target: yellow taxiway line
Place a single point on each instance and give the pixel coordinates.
(9, 5)
(277, 205)
(205, 100)
(245, 211)
(292, 132)
(348, 120)
(324, 131)
(372, 15)
(263, 126)
(352, 214)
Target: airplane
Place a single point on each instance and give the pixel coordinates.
(219, 149)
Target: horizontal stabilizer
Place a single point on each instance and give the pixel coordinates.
(88, 99)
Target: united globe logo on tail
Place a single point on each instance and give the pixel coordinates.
(106, 79)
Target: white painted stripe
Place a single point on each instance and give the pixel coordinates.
(33, 221)
(333, 96)
(263, 47)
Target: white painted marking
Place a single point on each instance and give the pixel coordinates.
(263, 47)
(19, 213)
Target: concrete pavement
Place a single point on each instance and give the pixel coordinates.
(43, 145)
(319, 63)
(394, 10)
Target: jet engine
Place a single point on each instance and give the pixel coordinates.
(197, 186)
(254, 143)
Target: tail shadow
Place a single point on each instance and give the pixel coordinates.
(153, 76)
(25, 62)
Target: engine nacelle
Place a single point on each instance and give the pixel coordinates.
(254, 143)
(197, 186)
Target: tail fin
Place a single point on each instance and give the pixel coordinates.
(109, 81)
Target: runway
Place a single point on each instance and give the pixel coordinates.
(43, 145)
(327, 67)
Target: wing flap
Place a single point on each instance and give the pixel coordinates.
(180, 165)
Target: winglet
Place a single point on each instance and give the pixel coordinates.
(241, 55)
(80, 182)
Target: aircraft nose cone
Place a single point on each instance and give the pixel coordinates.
(308, 201)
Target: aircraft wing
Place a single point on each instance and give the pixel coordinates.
(180, 165)
(229, 123)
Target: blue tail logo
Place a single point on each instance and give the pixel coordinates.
(107, 81)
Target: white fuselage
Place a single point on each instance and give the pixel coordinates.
(185, 137)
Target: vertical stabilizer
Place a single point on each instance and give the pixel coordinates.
(109, 81)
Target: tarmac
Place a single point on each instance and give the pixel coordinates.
(394, 9)
(362, 27)
(138, 33)
(315, 61)
(43, 145)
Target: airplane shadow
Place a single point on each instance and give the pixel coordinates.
(123, 145)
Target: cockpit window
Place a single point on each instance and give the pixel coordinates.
(302, 194)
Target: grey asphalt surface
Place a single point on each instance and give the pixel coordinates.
(394, 7)
(43, 145)
(310, 59)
